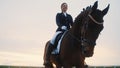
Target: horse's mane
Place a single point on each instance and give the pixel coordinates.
(81, 18)
(83, 15)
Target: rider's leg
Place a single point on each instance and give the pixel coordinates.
(50, 48)
(52, 41)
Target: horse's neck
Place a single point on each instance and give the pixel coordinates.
(75, 30)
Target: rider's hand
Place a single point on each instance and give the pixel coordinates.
(64, 28)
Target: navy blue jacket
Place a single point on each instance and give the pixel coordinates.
(61, 20)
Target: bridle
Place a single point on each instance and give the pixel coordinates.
(82, 40)
(99, 23)
(84, 28)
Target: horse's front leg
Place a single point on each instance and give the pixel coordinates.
(58, 66)
(67, 65)
(80, 66)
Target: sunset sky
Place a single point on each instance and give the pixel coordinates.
(26, 25)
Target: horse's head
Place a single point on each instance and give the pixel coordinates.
(91, 26)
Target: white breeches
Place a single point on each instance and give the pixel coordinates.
(52, 41)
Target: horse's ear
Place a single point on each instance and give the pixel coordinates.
(95, 6)
(106, 10)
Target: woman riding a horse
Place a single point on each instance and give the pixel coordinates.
(64, 21)
(79, 41)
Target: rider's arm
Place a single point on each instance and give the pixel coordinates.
(58, 20)
(71, 23)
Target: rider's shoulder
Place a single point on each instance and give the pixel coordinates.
(59, 13)
(69, 15)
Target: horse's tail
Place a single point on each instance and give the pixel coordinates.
(45, 50)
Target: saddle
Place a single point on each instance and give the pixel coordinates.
(58, 42)
(57, 39)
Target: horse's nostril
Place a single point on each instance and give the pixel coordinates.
(85, 52)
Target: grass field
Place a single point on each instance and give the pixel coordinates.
(19, 67)
(43, 67)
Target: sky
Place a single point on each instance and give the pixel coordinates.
(26, 26)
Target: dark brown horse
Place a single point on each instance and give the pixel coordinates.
(80, 40)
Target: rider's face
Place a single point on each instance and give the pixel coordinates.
(64, 7)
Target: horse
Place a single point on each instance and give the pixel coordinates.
(79, 41)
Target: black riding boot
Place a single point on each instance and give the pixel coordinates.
(49, 49)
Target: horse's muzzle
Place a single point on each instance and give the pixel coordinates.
(88, 54)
